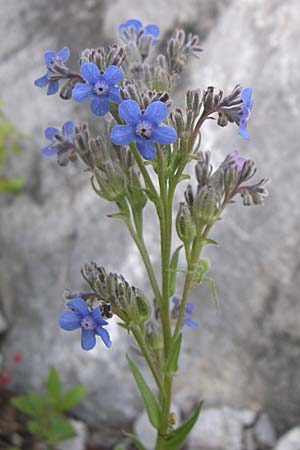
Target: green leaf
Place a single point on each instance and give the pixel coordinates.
(32, 403)
(135, 441)
(176, 439)
(72, 397)
(173, 270)
(59, 428)
(184, 177)
(53, 384)
(34, 427)
(210, 241)
(172, 360)
(11, 185)
(150, 401)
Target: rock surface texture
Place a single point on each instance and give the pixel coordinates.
(246, 354)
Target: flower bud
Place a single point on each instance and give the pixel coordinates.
(203, 169)
(153, 336)
(206, 205)
(141, 309)
(185, 225)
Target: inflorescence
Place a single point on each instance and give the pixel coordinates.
(133, 90)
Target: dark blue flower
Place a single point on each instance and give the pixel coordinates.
(143, 128)
(55, 70)
(246, 96)
(100, 87)
(91, 323)
(151, 29)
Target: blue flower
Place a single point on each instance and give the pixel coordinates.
(55, 70)
(143, 128)
(91, 323)
(100, 87)
(189, 309)
(151, 29)
(244, 115)
(61, 143)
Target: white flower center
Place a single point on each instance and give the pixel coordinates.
(144, 129)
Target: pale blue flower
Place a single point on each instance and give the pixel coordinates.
(244, 115)
(91, 323)
(51, 77)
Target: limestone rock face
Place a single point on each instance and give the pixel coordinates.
(245, 354)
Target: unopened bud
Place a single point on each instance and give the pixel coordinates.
(206, 205)
(185, 225)
(153, 336)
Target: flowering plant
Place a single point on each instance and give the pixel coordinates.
(142, 158)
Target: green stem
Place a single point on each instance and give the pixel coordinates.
(165, 415)
(148, 182)
(156, 375)
(139, 241)
(165, 238)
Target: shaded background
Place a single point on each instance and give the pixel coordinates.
(247, 354)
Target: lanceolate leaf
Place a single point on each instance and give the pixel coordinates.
(135, 440)
(53, 384)
(178, 436)
(150, 401)
(173, 270)
(172, 360)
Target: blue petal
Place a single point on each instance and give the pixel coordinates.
(156, 112)
(114, 95)
(50, 132)
(243, 131)
(190, 323)
(64, 53)
(81, 92)
(164, 134)
(88, 339)
(53, 87)
(48, 56)
(68, 128)
(130, 111)
(134, 23)
(113, 74)
(100, 106)
(79, 306)
(96, 313)
(90, 72)
(122, 134)
(42, 81)
(146, 149)
(246, 97)
(104, 336)
(189, 308)
(49, 150)
(69, 321)
(152, 29)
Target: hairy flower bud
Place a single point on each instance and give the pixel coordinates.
(203, 169)
(82, 141)
(111, 181)
(189, 196)
(153, 336)
(206, 205)
(185, 225)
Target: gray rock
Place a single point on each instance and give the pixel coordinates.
(219, 429)
(79, 442)
(290, 440)
(264, 433)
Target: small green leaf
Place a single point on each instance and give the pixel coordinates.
(34, 427)
(135, 441)
(150, 401)
(72, 397)
(176, 439)
(119, 215)
(33, 403)
(60, 428)
(172, 360)
(173, 270)
(53, 384)
(184, 177)
(210, 241)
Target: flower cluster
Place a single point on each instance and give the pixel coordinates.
(134, 93)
